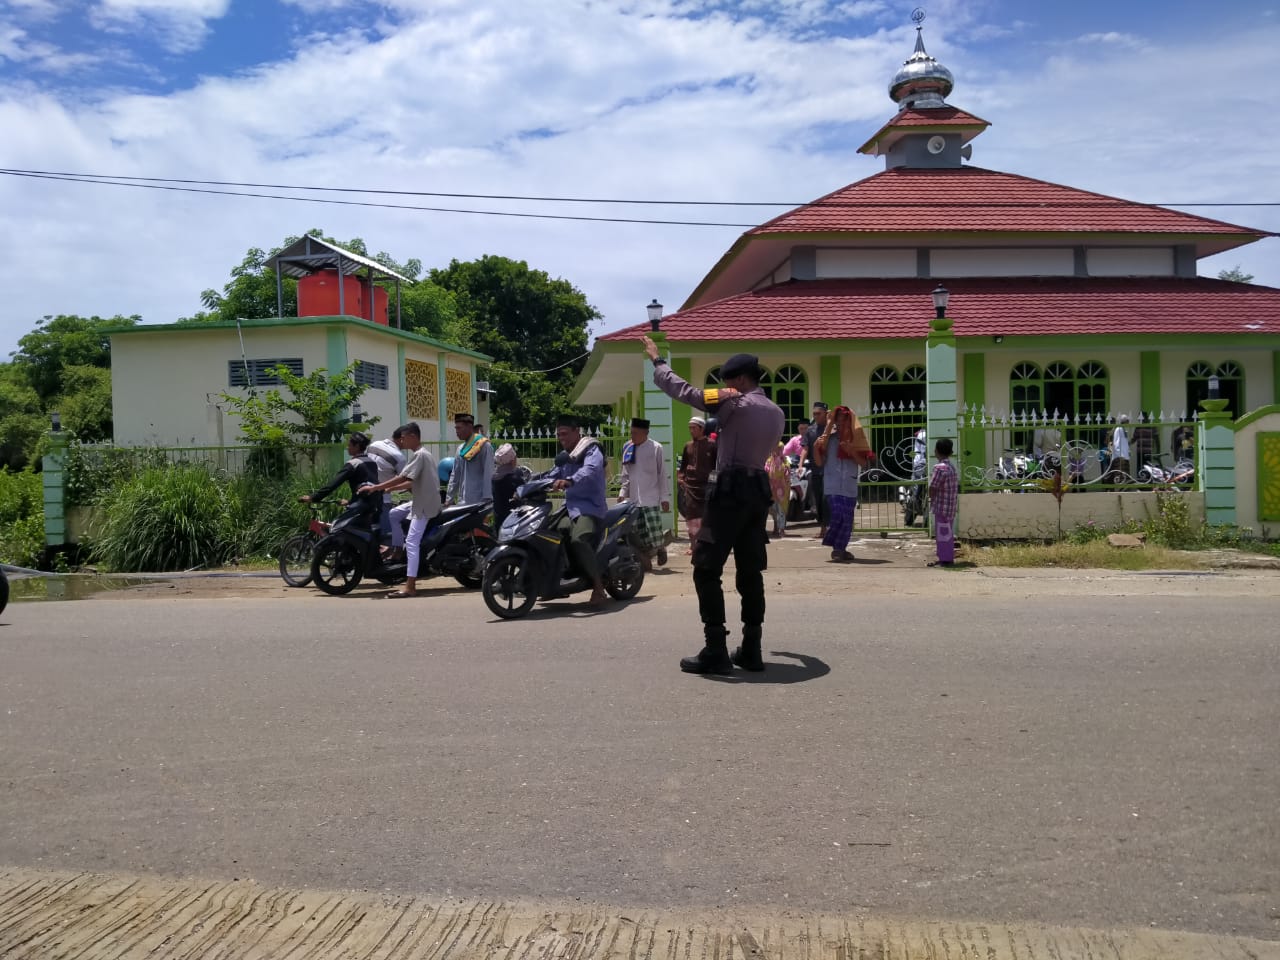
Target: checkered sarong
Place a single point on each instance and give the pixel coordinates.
(649, 527)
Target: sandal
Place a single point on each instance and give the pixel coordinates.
(401, 595)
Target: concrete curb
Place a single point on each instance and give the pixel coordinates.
(50, 915)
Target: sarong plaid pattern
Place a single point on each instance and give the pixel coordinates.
(840, 527)
(649, 527)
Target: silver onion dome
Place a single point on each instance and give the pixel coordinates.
(922, 82)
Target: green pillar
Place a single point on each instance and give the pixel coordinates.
(53, 476)
(336, 349)
(973, 443)
(658, 411)
(404, 396)
(1216, 463)
(1275, 376)
(1149, 382)
(940, 390)
(829, 385)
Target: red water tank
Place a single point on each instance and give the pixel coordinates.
(318, 296)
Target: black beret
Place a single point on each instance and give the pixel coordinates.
(741, 363)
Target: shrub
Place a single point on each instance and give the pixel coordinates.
(94, 473)
(166, 518)
(258, 514)
(21, 517)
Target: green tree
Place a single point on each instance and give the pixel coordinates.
(85, 404)
(22, 419)
(251, 291)
(527, 322)
(65, 341)
(317, 409)
(1235, 275)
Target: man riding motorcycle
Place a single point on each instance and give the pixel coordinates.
(361, 469)
(582, 478)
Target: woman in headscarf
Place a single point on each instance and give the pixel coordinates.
(696, 463)
(507, 478)
(842, 451)
(779, 470)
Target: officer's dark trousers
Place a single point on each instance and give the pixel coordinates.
(734, 523)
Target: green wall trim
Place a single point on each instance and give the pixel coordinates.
(1149, 372)
(1258, 414)
(682, 367)
(1275, 376)
(828, 381)
(335, 321)
(404, 395)
(975, 379)
(335, 349)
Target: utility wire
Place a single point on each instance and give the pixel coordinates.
(120, 180)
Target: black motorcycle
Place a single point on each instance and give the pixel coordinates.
(455, 544)
(531, 563)
(4, 590)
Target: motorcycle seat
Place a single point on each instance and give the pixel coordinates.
(449, 513)
(615, 514)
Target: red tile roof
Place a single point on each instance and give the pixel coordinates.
(971, 200)
(889, 309)
(917, 119)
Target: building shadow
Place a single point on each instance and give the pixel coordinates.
(805, 668)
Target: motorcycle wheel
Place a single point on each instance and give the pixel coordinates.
(908, 515)
(4, 591)
(295, 560)
(507, 586)
(625, 586)
(474, 581)
(335, 566)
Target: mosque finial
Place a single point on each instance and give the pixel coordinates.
(922, 82)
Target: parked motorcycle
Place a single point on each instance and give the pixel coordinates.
(531, 563)
(799, 480)
(1181, 474)
(454, 544)
(911, 495)
(4, 590)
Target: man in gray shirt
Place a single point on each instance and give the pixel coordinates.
(472, 478)
(738, 498)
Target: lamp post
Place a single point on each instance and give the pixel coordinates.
(941, 295)
(1215, 388)
(356, 413)
(654, 309)
(55, 422)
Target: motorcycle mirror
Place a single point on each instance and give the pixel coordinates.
(562, 458)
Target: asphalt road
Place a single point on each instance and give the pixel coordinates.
(1097, 752)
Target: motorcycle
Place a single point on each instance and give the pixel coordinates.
(4, 590)
(911, 495)
(1182, 474)
(799, 480)
(455, 544)
(531, 563)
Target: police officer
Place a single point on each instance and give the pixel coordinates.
(738, 499)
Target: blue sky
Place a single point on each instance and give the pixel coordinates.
(744, 100)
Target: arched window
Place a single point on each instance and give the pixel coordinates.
(897, 410)
(1026, 389)
(1230, 385)
(789, 389)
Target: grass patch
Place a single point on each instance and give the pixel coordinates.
(1096, 555)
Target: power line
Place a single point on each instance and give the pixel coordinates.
(158, 182)
(369, 203)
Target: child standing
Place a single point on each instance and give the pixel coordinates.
(944, 489)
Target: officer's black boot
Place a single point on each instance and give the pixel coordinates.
(713, 657)
(748, 656)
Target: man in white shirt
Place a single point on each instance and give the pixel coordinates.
(1120, 451)
(420, 475)
(389, 460)
(644, 483)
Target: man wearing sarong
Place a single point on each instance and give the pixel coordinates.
(472, 478)
(696, 463)
(644, 483)
(842, 451)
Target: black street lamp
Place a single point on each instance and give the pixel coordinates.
(941, 295)
(654, 310)
(1215, 388)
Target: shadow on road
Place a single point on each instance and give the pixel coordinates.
(809, 668)
(576, 610)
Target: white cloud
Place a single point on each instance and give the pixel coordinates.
(1111, 39)
(581, 99)
(180, 25)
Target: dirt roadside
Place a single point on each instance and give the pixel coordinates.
(95, 917)
(798, 564)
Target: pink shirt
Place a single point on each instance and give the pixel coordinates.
(793, 446)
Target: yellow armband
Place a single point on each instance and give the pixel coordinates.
(711, 397)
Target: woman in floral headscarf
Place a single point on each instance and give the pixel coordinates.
(842, 451)
(779, 471)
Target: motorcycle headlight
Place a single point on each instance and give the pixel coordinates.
(520, 523)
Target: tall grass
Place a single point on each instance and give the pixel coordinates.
(165, 518)
(21, 517)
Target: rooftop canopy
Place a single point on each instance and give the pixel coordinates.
(308, 255)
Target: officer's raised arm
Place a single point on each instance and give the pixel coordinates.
(675, 387)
